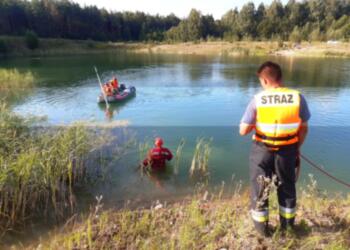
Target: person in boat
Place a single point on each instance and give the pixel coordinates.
(158, 156)
(279, 117)
(108, 89)
(122, 87)
(112, 87)
(115, 85)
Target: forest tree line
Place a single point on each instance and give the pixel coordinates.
(312, 20)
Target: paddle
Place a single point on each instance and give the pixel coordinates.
(103, 93)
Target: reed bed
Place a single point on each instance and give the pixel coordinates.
(178, 156)
(11, 79)
(143, 149)
(39, 168)
(143, 152)
(15, 85)
(199, 169)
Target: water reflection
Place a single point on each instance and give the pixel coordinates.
(244, 75)
(319, 73)
(112, 112)
(65, 71)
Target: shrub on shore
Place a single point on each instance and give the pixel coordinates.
(3, 47)
(32, 40)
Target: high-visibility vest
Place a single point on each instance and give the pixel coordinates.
(278, 120)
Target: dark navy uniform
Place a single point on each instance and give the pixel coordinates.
(277, 115)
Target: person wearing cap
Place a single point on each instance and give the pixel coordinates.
(279, 116)
(158, 156)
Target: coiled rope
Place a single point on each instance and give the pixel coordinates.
(314, 165)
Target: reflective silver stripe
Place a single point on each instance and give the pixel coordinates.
(287, 213)
(287, 210)
(260, 216)
(281, 126)
(272, 128)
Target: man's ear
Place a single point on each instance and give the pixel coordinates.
(265, 81)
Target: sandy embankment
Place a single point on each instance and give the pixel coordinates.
(248, 48)
(317, 50)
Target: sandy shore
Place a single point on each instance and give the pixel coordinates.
(288, 49)
(317, 50)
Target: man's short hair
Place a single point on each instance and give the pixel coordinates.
(271, 71)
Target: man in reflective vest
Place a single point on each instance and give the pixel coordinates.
(158, 156)
(279, 117)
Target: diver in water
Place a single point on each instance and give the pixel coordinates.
(158, 156)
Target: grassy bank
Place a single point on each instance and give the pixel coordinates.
(40, 168)
(16, 46)
(213, 48)
(211, 222)
(233, 49)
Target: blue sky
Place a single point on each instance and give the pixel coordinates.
(181, 8)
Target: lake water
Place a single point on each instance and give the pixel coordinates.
(191, 97)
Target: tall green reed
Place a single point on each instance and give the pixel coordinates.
(178, 156)
(12, 78)
(39, 168)
(15, 85)
(143, 152)
(199, 169)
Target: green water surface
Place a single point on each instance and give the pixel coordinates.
(190, 97)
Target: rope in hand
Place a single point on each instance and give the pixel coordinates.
(312, 164)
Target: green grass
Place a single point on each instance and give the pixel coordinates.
(211, 224)
(39, 168)
(16, 46)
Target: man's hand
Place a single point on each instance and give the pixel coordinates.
(303, 131)
(245, 129)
